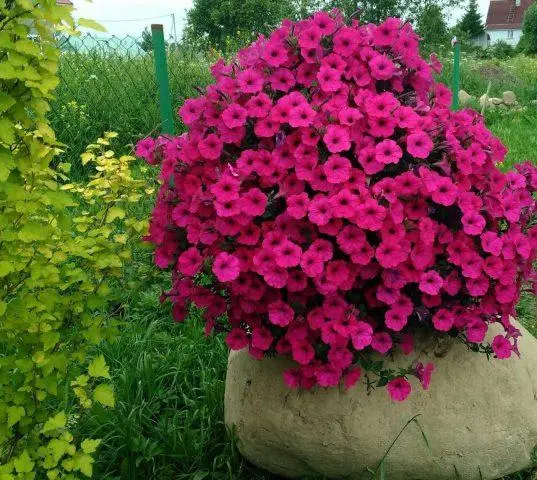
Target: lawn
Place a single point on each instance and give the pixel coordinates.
(169, 378)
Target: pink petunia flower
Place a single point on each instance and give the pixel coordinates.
(419, 144)
(388, 152)
(234, 116)
(473, 223)
(336, 139)
(381, 342)
(337, 169)
(430, 282)
(443, 320)
(501, 347)
(226, 267)
(399, 389)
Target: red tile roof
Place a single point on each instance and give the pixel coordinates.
(504, 14)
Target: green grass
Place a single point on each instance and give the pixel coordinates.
(109, 86)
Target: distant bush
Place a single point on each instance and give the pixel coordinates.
(502, 50)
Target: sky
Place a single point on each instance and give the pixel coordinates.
(130, 17)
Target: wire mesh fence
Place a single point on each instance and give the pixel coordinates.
(109, 84)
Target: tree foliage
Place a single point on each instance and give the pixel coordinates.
(218, 23)
(62, 246)
(432, 25)
(215, 22)
(471, 24)
(529, 30)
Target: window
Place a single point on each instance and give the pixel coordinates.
(509, 33)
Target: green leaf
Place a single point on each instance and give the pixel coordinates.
(5, 268)
(6, 102)
(54, 423)
(3, 307)
(84, 464)
(104, 394)
(14, 414)
(89, 446)
(23, 463)
(7, 134)
(98, 368)
(113, 213)
(85, 22)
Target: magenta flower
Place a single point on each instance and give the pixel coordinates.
(431, 282)
(337, 203)
(381, 342)
(399, 389)
(501, 346)
(337, 169)
(419, 144)
(226, 267)
(443, 320)
(473, 223)
(250, 81)
(189, 262)
(387, 152)
(336, 139)
(424, 373)
(234, 116)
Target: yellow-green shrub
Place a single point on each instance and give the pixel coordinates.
(62, 248)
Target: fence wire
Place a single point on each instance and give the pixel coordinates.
(109, 84)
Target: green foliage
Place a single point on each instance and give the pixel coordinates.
(62, 255)
(432, 26)
(211, 23)
(109, 84)
(471, 24)
(501, 50)
(146, 42)
(529, 30)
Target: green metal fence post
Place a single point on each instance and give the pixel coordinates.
(161, 70)
(456, 73)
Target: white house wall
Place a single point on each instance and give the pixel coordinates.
(497, 35)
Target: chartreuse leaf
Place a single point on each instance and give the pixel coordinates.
(113, 213)
(23, 463)
(55, 423)
(90, 446)
(14, 414)
(104, 395)
(98, 368)
(84, 22)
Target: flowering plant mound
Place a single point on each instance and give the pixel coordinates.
(339, 206)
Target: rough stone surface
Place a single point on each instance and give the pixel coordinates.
(509, 97)
(464, 97)
(484, 101)
(495, 100)
(478, 415)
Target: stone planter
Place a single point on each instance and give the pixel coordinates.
(479, 415)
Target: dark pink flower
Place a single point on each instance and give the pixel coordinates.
(419, 144)
(501, 346)
(336, 139)
(399, 389)
(226, 267)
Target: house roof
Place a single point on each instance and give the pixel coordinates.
(508, 14)
(64, 2)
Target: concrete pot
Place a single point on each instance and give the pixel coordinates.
(479, 415)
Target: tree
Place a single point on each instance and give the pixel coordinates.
(529, 30)
(215, 22)
(432, 25)
(146, 43)
(471, 24)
